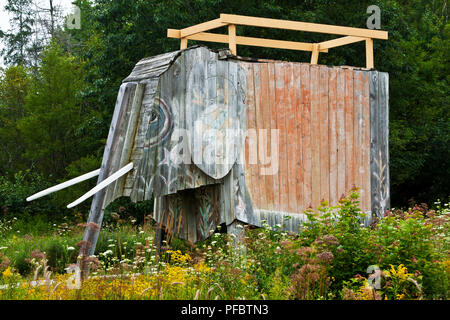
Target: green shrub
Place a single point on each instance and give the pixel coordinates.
(22, 264)
(13, 194)
(124, 209)
(418, 239)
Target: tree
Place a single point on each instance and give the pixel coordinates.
(18, 38)
(14, 85)
(53, 108)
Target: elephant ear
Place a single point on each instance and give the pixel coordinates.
(215, 114)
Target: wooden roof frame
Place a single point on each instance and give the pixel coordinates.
(351, 35)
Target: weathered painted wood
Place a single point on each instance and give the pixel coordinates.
(167, 162)
(298, 110)
(291, 145)
(365, 196)
(332, 135)
(208, 122)
(340, 128)
(306, 134)
(141, 187)
(265, 154)
(179, 138)
(379, 152)
(320, 114)
(259, 181)
(324, 135)
(96, 213)
(349, 114)
(243, 207)
(384, 105)
(119, 144)
(280, 74)
(274, 126)
(130, 134)
(152, 67)
(250, 145)
(375, 159)
(357, 134)
(315, 135)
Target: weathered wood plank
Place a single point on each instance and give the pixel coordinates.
(298, 110)
(142, 187)
(232, 141)
(215, 80)
(266, 156)
(281, 103)
(168, 168)
(194, 104)
(290, 130)
(349, 114)
(272, 99)
(260, 194)
(130, 135)
(332, 135)
(324, 135)
(96, 212)
(189, 168)
(374, 145)
(357, 134)
(212, 87)
(365, 196)
(251, 150)
(116, 156)
(379, 153)
(179, 137)
(384, 131)
(145, 68)
(306, 134)
(315, 135)
(340, 128)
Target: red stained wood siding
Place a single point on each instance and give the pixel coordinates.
(323, 117)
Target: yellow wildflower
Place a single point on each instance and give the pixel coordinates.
(178, 258)
(446, 264)
(400, 273)
(400, 296)
(7, 273)
(202, 268)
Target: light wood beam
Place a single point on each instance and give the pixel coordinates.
(248, 41)
(183, 43)
(302, 26)
(315, 54)
(209, 25)
(232, 38)
(340, 42)
(369, 54)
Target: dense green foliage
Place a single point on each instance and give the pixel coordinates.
(54, 117)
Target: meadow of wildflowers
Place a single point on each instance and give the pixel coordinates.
(404, 255)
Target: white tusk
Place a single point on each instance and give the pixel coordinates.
(102, 184)
(64, 185)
